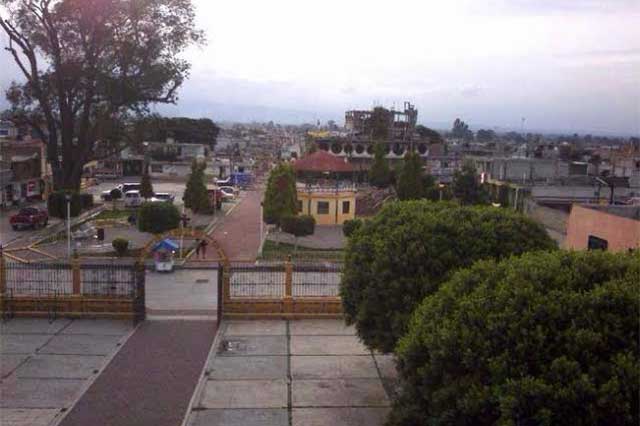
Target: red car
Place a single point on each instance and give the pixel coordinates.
(29, 217)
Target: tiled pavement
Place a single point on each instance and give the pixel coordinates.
(306, 372)
(45, 366)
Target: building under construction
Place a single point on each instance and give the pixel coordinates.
(358, 142)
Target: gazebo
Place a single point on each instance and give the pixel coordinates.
(325, 188)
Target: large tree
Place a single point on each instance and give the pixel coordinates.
(89, 67)
(182, 129)
(466, 186)
(542, 339)
(461, 130)
(280, 197)
(410, 185)
(379, 173)
(427, 133)
(409, 248)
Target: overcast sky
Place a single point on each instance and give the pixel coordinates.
(561, 64)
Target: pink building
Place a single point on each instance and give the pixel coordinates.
(613, 228)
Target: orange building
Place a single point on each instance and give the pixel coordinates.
(614, 228)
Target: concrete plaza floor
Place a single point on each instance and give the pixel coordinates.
(45, 366)
(182, 292)
(305, 372)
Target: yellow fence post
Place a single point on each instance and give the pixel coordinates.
(288, 284)
(75, 274)
(3, 273)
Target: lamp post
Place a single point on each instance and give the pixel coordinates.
(67, 198)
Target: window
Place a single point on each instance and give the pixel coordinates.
(323, 207)
(595, 243)
(345, 207)
(299, 206)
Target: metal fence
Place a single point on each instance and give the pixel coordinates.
(107, 280)
(56, 279)
(254, 281)
(269, 280)
(45, 279)
(316, 279)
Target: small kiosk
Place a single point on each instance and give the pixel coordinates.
(163, 253)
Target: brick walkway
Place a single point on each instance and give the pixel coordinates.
(151, 379)
(239, 232)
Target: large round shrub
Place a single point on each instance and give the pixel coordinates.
(542, 339)
(158, 217)
(57, 204)
(409, 248)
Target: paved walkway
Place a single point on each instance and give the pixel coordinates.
(325, 237)
(239, 232)
(45, 366)
(300, 373)
(151, 379)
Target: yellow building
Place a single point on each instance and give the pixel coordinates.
(329, 206)
(325, 188)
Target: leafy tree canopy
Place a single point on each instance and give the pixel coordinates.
(466, 186)
(280, 198)
(483, 135)
(158, 217)
(380, 173)
(411, 179)
(461, 130)
(182, 129)
(543, 339)
(427, 133)
(196, 196)
(91, 68)
(409, 248)
(146, 187)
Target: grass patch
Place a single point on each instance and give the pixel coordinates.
(280, 251)
(113, 214)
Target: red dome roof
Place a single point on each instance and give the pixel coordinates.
(322, 161)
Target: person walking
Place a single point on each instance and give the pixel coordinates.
(198, 245)
(203, 248)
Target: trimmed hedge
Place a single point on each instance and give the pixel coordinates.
(120, 245)
(298, 226)
(403, 254)
(542, 339)
(157, 218)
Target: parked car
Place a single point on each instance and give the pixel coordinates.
(133, 199)
(29, 217)
(84, 232)
(162, 197)
(123, 187)
(226, 181)
(228, 193)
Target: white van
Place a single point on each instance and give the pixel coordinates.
(132, 199)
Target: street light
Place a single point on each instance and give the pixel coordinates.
(67, 198)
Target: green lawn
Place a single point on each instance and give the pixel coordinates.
(279, 251)
(114, 214)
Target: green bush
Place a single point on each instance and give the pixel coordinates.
(86, 201)
(410, 247)
(350, 226)
(541, 339)
(157, 218)
(57, 204)
(298, 226)
(120, 245)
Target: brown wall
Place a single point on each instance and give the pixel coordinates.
(620, 232)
